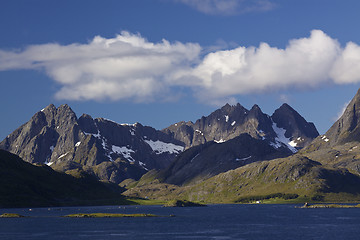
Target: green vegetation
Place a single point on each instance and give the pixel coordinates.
(108, 215)
(182, 203)
(252, 199)
(11, 215)
(141, 201)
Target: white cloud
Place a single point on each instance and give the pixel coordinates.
(228, 7)
(305, 62)
(284, 98)
(125, 67)
(347, 66)
(128, 67)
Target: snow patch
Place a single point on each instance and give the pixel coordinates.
(243, 159)
(52, 148)
(143, 165)
(226, 118)
(126, 152)
(127, 124)
(49, 163)
(293, 143)
(233, 123)
(200, 132)
(161, 147)
(220, 141)
(281, 139)
(63, 155)
(325, 138)
(77, 144)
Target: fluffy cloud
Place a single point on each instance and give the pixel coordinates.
(228, 7)
(347, 66)
(124, 67)
(128, 67)
(305, 62)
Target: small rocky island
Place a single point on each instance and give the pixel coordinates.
(183, 203)
(307, 205)
(108, 215)
(11, 215)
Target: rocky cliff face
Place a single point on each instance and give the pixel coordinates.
(297, 129)
(339, 147)
(111, 151)
(347, 127)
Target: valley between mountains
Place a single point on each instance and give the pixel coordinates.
(234, 155)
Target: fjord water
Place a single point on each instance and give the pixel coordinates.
(212, 222)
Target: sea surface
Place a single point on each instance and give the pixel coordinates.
(211, 222)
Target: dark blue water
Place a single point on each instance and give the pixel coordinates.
(212, 222)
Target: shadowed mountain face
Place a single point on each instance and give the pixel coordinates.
(25, 185)
(206, 160)
(111, 151)
(297, 128)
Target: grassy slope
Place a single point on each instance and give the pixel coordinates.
(295, 175)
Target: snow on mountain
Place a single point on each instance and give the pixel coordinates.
(281, 139)
(161, 147)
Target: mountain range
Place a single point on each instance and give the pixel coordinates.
(232, 155)
(327, 169)
(113, 152)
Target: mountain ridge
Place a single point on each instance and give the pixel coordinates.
(114, 152)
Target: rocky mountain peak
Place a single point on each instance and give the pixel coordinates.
(111, 151)
(298, 130)
(231, 109)
(347, 127)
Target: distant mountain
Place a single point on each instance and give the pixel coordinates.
(232, 137)
(25, 185)
(326, 169)
(111, 151)
(297, 129)
(285, 127)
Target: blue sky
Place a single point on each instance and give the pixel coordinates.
(158, 62)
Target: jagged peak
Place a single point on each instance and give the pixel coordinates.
(230, 108)
(286, 106)
(64, 107)
(50, 107)
(286, 109)
(255, 109)
(85, 116)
